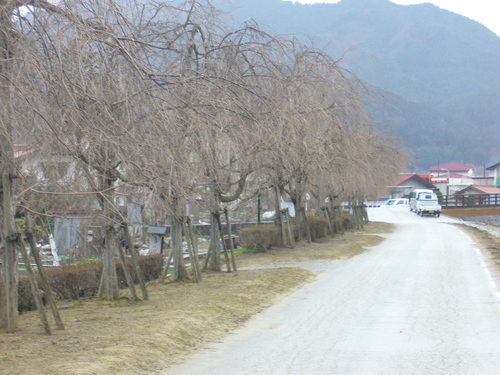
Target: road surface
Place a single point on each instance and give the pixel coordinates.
(422, 302)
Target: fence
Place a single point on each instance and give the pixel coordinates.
(470, 200)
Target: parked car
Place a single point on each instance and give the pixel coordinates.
(396, 202)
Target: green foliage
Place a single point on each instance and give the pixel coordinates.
(470, 200)
(38, 231)
(243, 250)
(259, 237)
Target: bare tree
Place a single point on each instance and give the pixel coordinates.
(162, 100)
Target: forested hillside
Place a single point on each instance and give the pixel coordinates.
(438, 71)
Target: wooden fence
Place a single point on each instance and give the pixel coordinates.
(470, 200)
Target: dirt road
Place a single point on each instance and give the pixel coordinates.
(422, 302)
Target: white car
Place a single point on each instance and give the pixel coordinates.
(396, 202)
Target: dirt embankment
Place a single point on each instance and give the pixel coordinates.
(488, 243)
(142, 338)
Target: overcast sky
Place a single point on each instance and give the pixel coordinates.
(486, 12)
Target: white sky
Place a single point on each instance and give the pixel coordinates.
(486, 12)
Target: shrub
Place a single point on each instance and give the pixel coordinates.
(346, 220)
(319, 227)
(151, 267)
(80, 281)
(73, 282)
(259, 237)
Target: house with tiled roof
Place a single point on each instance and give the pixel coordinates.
(452, 167)
(405, 183)
(474, 195)
(452, 177)
(496, 173)
(479, 189)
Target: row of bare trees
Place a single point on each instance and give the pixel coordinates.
(160, 100)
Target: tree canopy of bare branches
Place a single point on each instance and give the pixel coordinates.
(162, 102)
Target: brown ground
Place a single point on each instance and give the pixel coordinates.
(143, 338)
(488, 243)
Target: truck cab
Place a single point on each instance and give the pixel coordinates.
(415, 195)
(425, 203)
(428, 205)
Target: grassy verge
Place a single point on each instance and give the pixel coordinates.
(142, 338)
(488, 243)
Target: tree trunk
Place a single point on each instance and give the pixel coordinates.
(288, 225)
(297, 204)
(109, 284)
(193, 252)
(230, 234)
(279, 217)
(224, 248)
(34, 289)
(338, 220)
(45, 281)
(166, 267)
(214, 248)
(306, 224)
(10, 240)
(329, 218)
(133, 253)
(180, 271)
(128, 276)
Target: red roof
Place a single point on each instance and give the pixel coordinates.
(452, 167)
(404, 177)
(453, 175)
(485, 189)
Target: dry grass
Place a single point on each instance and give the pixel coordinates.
(487, 242)
(340, 247)
(141, 338)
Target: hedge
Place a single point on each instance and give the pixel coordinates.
(80, 281)
(259, 237)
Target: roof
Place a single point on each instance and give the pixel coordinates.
(455, 175)
(483, 178)
(405, 177)
(494, 166)
(74, 212)
(452, 167)
(481, 189)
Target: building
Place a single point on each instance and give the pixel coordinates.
(496, 173)
(479, 189)
(405, 183)
(452, 168)
(453, 177)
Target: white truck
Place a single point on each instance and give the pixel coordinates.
(424, 202)
(415, 194)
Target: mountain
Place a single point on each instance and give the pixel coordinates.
(438, 72)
